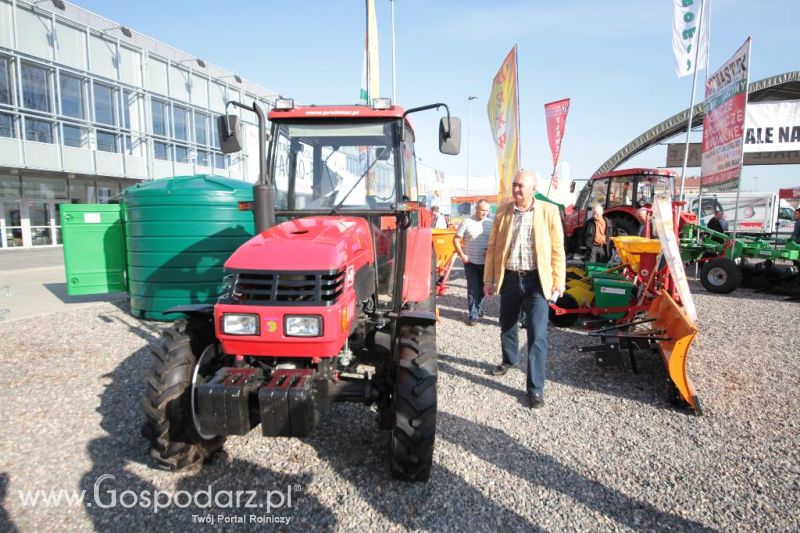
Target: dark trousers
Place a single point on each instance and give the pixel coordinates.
(474, 274)
(597, 254)
(524, 293)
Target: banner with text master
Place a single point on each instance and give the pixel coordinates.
(504, 122)
(723, 125)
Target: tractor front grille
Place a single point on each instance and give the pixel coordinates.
(249, 287)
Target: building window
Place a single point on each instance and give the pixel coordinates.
(201, 129)
(7, 126)
(131, 110)
(181, 154)
(72, 96)
(38, 130)
(104, 112)
(35, 88)
(75, 136)
(219, 161)
(202, 158)
(5, 81)
(215, 134)
(106, 142)
(160, 124)
(134, 145)
(161, 151)
(181, 118)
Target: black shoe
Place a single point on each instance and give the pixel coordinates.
(471, 321)
(535, 400)
(480, 314)
(499, 370)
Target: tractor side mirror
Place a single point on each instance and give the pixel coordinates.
(230, 133)
(383, 154)
(450, 135)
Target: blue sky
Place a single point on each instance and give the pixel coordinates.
(613, 59)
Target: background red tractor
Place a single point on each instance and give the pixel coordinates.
(334, 303)
(621, 193)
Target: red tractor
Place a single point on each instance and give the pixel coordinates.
(334, 303)
(621, 193)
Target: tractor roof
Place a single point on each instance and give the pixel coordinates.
(636, 172)
(336, 112)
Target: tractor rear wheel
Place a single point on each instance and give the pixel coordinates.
(721, 276)
(414, 430)
(624, 226)
(185, 357)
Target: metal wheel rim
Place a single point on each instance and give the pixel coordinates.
(717, 276)
(208, 352)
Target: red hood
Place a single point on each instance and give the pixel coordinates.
(313, 243)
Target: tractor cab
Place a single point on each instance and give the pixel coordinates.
(621, 193)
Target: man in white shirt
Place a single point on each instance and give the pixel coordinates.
(470, 242)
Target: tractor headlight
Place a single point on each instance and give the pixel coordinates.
(302, 326)
(235, 324)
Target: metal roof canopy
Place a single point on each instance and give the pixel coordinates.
(774, 89)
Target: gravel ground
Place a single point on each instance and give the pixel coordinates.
(607, 452)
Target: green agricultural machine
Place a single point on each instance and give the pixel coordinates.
(757, 263)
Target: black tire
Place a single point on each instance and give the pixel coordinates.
(175, 442)
(721, 276)
(414, 430)
(567, 301)
(624, 226)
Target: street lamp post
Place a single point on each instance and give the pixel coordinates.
(469, 135)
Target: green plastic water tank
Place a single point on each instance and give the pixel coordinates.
(179, 233)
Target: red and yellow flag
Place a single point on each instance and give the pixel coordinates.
(503, 108)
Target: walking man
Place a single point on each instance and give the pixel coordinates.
(525, 264)
(470, 242)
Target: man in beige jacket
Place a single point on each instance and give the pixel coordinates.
(525, 264)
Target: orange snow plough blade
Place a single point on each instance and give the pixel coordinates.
(679, 332)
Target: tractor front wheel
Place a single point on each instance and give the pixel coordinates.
(414, 429)
(185, 357)
(721, 276)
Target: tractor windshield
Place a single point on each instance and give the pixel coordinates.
(322, 165)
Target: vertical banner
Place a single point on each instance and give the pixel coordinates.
(370, 85)
(686, 35)
(723, 124)
(504, 122)
(556, 115)
(664, 224)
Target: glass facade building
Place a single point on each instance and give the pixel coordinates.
(89, 107)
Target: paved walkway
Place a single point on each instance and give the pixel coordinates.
(33, 283)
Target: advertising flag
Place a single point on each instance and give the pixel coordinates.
(687, 33)
(723, 124)
(556, 115)
(504, 122)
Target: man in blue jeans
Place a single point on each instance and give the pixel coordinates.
(525, 263)
(470, 242)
